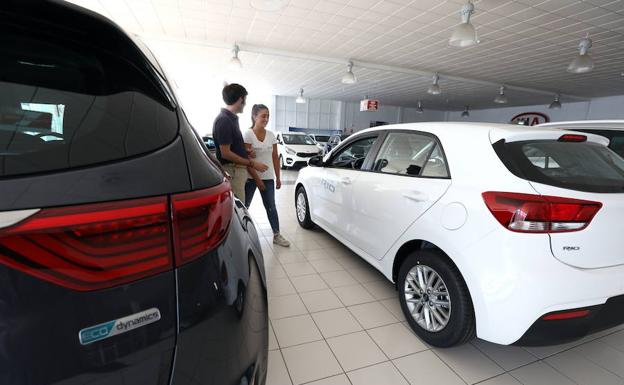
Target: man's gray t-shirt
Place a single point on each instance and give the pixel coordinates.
(226, 130)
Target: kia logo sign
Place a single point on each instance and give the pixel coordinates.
(530, 118)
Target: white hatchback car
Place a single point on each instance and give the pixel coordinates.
(295, 149)
(510, 233)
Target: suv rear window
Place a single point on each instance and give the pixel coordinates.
(583, 166)
(66, 104)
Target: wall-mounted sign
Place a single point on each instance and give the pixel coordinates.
(369, 105)
(530, 119)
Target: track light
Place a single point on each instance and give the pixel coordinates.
(556, 104)
(465, 34)
(300, 98)
(420, 109)
(349, 77)
(501, 98)
(235, 63)
(466, 113)
(583, 62)
(434, 89)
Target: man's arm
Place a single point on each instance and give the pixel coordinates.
(227, 153)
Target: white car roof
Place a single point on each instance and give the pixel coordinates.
(590, 124)
(293, 133)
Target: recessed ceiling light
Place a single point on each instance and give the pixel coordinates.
(269, 5)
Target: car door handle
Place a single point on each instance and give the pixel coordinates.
(345, 180)
(416, 196)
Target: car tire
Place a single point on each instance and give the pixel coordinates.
(302, 209)
(282, 164)
(460, 324)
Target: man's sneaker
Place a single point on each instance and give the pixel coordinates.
(279, 239)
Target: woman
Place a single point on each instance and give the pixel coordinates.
(264, 144)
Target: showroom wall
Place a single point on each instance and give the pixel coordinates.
(319, 114)
(598, 108)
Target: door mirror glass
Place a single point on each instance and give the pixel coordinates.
(316, 161)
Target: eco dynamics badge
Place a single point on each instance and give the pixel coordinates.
(119, 326)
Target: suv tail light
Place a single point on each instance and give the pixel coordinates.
(200, 221)
(93, 246)
(97, 246)
(529, 213)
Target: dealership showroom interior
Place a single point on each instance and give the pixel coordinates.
(318, 192)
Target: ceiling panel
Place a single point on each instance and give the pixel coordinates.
(526, 43)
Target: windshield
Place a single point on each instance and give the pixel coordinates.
(321, 138)
(298, 139)
(583, 166)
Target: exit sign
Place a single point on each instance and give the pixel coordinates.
(369, 105)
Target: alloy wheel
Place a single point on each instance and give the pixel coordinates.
(427, 298)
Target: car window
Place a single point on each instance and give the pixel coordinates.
(581, 166)
(617, 144)
(298, 139)
(435, 167)
(65, 105)
(404, 153)
(209, 142)
(353, 155)
(321, 138)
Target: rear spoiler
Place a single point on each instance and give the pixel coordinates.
(516, 135)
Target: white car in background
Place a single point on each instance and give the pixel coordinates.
(295, 148)
(321, 140)
(509, 233)
(610, 129)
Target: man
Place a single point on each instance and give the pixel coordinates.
(229, 140)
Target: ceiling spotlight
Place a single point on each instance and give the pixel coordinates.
(465, 114)
(465, 34)
(349, 77)
(300, 98)
(419, 109)
(556, 104)
(269, 5)
(583, 62)
(501, 98)
(434, 89)
(235, 63)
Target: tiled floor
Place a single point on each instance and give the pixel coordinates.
(336, 321)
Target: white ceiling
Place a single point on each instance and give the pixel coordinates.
(526, 43)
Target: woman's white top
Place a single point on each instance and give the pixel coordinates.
(264, 150)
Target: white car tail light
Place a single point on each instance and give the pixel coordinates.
(527, 213)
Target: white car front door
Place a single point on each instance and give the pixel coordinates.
(333, 190)
(409, 174)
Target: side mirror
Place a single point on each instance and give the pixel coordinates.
(316, 161)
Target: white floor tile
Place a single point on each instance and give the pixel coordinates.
(272, 340)
(372, 315)
(395, 308)
(396, 340)
(298, 268)
(353, 295)
(356, 350)
(467, 361)
(504, 379)
(286, 306)
(276, 371)
(381, 290)
(615, 340)
(336, 380)
(308, 245)
(426, 368)
(313, 255)
(581, 370)
(307, 283)
(326, 265)
(539, 373)
(296, 330)
(279, 287)
(275, 272)
(603, 355)
(291, 257)
(367, 274)
(338, 279)
(320, 300)
(380, 374)
(310, 362)
(336, 322)
(508, 357)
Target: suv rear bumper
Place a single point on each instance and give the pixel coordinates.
(600, 317)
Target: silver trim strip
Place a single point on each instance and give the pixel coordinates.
(9, 218)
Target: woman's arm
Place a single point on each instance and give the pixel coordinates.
(276, 167)
(252, 171)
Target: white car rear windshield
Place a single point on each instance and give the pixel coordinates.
(581, 166)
